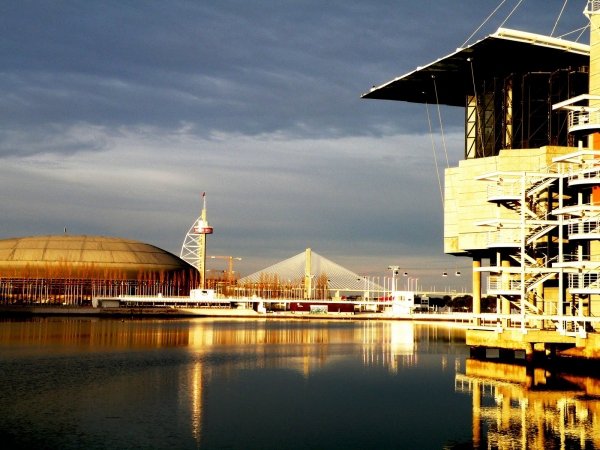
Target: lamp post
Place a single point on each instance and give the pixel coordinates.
(395, 270)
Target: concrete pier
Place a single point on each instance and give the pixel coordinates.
(513, 343)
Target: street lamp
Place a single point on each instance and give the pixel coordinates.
(395, 270)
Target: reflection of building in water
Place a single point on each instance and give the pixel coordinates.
(94, 333)
(209, 350)
(388, 344)
(195, 395)
(397, 344)
(522, 407)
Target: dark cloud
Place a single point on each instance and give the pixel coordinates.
(116, 114)
(231, 66)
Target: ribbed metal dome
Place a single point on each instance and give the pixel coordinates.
(91, 255)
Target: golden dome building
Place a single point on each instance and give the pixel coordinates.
(67, 269)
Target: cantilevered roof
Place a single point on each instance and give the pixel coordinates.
(496, 56)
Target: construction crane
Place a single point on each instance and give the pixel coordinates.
(230, 260)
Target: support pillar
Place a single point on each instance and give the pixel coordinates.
(307, 275)
(505, 303)
(529, 352)
(476, 290)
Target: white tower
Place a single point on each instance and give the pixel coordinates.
(193, 249)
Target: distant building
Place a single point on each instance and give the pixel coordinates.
(70, 270)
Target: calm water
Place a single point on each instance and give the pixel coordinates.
(227, 384)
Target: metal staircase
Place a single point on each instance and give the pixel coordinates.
(530, 198)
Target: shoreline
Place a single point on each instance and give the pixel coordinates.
(168, 312)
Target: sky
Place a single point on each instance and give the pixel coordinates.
(115, 116)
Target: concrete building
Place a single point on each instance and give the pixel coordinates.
(524, 204)
(71, 270)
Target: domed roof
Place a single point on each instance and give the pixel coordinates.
(67, 254)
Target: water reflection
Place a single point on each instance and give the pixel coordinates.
(391, 344)
(226, 383)
(522, 407)
(277, 384)
(94, 333)
(195, 395)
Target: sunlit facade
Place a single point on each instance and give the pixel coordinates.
(523, 204)
(72, 270)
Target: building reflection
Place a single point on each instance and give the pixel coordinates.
(195, 396)
(516, 406)
(213, 347)
(93, 333)
(391, 346)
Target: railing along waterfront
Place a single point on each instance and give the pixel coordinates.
(80, 291)
(568, 325)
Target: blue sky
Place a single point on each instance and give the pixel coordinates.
(116, 115)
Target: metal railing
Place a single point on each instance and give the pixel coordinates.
(584, 118)
(590, 226)
(511, 190)
(592, 6)
(504, 237)
(585, 281)
(574, 257)
(588, 172)
(496, 283)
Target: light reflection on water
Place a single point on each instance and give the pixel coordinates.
(200, 383)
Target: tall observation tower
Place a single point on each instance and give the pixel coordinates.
(193, 249)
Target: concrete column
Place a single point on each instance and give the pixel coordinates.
(593, 13)
(505, 304)
(476, 289)
(540, 304)
(529, 352)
